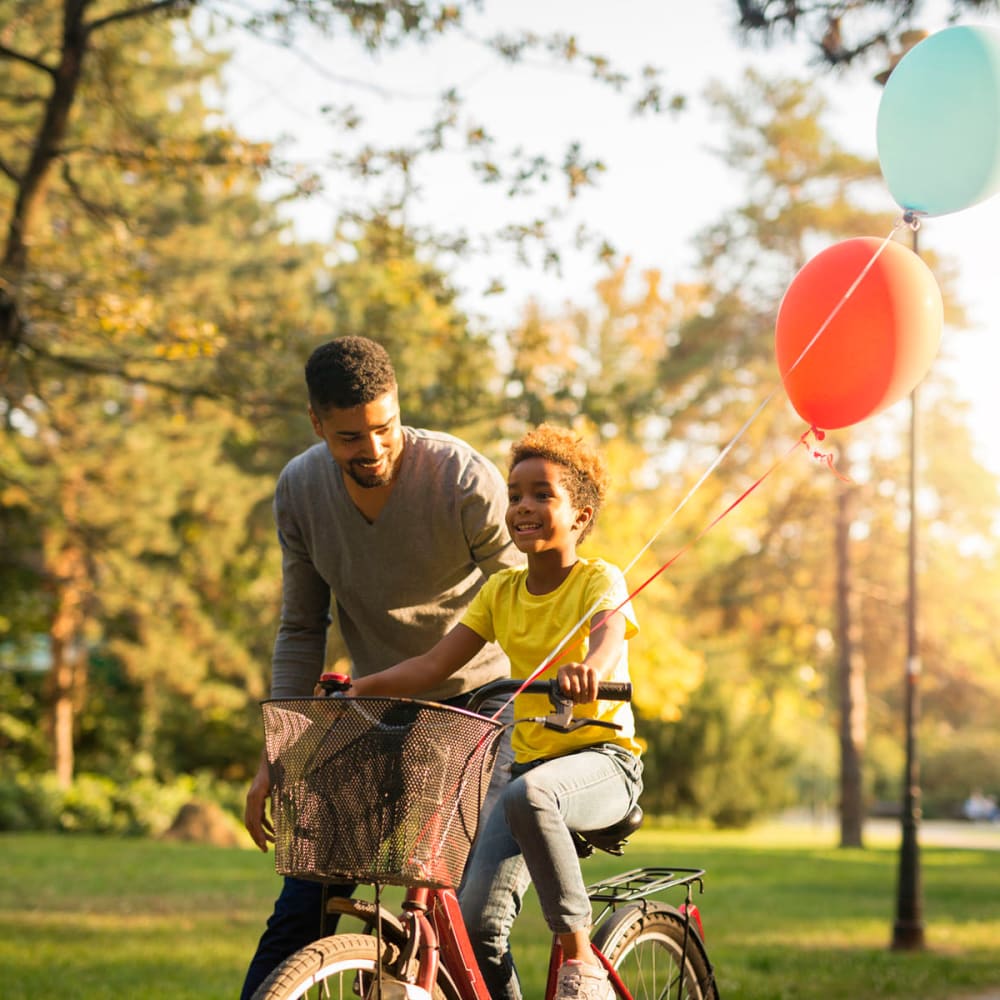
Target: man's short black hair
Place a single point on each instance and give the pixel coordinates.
(347, 372)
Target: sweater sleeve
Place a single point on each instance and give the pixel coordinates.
(300, 646)
(484, 509)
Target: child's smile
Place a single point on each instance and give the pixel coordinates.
(541, 516)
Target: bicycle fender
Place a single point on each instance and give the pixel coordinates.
(364, 910)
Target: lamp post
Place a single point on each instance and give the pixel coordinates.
(908, 928)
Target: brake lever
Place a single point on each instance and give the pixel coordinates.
(562, 721)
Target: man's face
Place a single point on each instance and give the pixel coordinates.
(365, 441)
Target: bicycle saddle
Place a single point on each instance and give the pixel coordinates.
(612, 839)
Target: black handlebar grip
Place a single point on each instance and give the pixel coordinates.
(614, 691)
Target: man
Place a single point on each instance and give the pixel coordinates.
(401, 527)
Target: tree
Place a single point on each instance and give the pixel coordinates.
(778, 583)
(140, 268)
(842, 34)
(387, 287)
(72, 59)
(845, 36)
(145, 285)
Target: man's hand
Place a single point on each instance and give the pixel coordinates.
(255, 815)
(579, 681)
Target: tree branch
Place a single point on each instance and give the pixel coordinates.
(119, 368)
(8, 171)
(13, 54)
(143, 10)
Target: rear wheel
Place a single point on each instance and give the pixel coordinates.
(656, 955)
(341, 966)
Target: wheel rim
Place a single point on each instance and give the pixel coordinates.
(650, 968)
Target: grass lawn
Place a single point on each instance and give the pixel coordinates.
(787, 917)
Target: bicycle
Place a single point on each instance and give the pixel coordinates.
(431, 764)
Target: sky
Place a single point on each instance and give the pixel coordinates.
(662, 182)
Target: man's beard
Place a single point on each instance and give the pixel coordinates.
(368, 480)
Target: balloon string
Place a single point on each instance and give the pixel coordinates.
(908, 219)
(903, 221)
(802, 440)
(553, 656)
(556, 655)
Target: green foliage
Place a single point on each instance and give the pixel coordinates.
(724, 759)
(956, 764)
(387, 287)
(157, 390)
(21, 738)
(97, 804)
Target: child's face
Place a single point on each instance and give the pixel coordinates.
(540, 513)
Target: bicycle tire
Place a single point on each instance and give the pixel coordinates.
(644, 943)
(342, 965)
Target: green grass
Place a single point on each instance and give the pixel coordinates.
(785, 917)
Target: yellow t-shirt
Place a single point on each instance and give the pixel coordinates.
(530, 627)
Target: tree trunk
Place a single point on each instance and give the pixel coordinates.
(66, 644)
(46, 147)
(851, 681)
(63, 714)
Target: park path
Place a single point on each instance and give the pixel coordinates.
(931, 833)
(942, 833)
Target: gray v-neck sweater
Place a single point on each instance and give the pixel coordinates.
(397, 584)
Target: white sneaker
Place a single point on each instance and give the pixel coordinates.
(579, 981)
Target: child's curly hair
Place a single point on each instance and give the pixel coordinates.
(585, 475)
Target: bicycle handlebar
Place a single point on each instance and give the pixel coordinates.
(606, 691)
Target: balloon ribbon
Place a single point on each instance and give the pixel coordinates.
(803, 440)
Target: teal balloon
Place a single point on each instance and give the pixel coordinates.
(938, 124)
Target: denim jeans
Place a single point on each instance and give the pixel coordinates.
(528, 840)
(297, 916)
(296, 922)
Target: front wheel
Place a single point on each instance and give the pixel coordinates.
(655, 955)
(343, 965)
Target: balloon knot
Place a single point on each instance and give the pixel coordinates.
(826, 457)
(911, 218)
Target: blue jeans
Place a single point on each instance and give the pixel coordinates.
(297, 921)
(297, 917)
(528, 840)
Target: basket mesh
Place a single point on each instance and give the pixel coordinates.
(376, 789)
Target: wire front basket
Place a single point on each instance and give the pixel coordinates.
(383, 790)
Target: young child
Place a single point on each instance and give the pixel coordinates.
(584, 780)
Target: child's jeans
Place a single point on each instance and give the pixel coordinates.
(528, 840)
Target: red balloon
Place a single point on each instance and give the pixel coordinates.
(877, 347)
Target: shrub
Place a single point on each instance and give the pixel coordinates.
(97, 804)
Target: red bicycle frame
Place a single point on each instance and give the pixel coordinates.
(438, 934)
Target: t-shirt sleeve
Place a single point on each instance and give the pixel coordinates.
(484, 510)
(608, 591)
(479, 614)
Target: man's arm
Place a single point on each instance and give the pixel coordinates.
(255, 817)
(299, 649)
